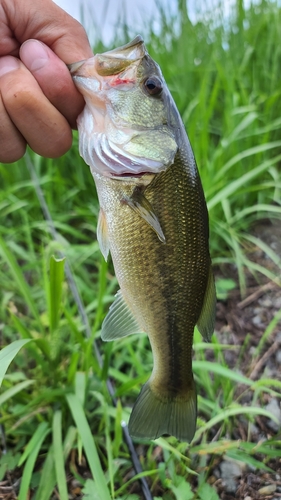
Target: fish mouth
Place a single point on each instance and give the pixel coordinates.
(108, 151)
(74, 67)
(127, 54)
(131, 174)
(112, 62)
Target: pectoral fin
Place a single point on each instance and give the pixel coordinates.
(206, 321)
(119, 321)
(102, 235)
(142, 207)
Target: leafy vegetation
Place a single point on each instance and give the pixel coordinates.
(57, 417)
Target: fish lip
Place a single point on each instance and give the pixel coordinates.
(129, 174)
(134, 49)
(110, 63)
(120, 59)
(136, 41)
(74, 67)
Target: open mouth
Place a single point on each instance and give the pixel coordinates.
(130, 174)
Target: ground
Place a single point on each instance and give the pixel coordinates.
(250, 317)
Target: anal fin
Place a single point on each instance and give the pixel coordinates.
(119, 321)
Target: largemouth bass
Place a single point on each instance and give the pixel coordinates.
(154, 222)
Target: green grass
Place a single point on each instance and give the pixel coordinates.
(55, 407)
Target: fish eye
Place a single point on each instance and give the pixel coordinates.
(153, 85)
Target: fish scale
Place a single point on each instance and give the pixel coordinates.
(158, 280)
(155, 225)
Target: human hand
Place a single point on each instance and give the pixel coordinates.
(39, 103)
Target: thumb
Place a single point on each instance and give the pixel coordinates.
(53, 77)
(44, 20)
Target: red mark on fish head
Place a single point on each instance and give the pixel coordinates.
(121, 81)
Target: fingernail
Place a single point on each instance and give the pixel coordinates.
(7, 64)
(34, 55)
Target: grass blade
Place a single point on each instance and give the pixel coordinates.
(89, 446)
(19, 279)
(15, 390)
(7, 355)
(34, 447)
(222, 371)
(40, 431)
(48, 478)
(261, 148)
(232, 187)
(231, 412)
(55, 290)
(59, 456)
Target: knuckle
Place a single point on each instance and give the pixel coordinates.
(62, 145)
(21, 94)
(59, 90)
(12, 154)
(55, 144)
(80, 30)
(18, 96)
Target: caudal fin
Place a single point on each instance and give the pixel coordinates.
(152, 417)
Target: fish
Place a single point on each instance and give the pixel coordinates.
(153, 220)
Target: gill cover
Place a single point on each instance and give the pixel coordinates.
(123, 129)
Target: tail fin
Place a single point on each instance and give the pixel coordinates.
(152, 417)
